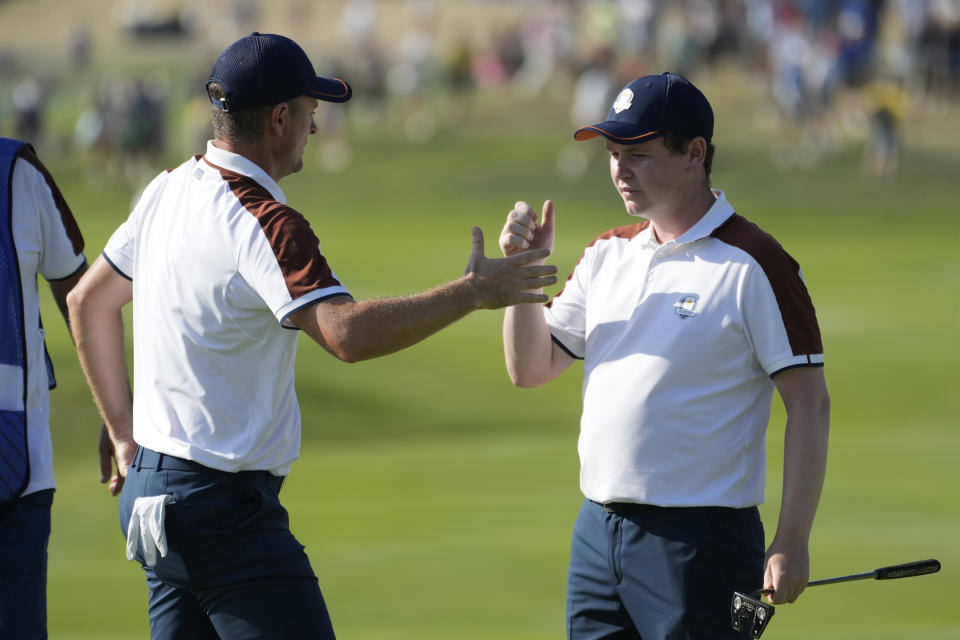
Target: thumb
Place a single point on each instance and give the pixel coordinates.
(547, 215)
(477, 250)
(106, 466)
(768, 583)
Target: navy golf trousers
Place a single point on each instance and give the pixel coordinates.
(233, 570)
(653, 573)
(24, 534)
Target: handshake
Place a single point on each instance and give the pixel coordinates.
(520, 276)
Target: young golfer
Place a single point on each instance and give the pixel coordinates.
(686, 322)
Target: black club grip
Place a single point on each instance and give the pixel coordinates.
(921, 568)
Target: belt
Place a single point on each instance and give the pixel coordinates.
(622, 508)
(150, 459)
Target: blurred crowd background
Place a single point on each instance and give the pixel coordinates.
(829, 70)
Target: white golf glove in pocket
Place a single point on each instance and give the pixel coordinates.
(146, 528)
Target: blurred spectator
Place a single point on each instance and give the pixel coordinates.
(358, 20)
(78, 47)
(886, 104)
(593, 92)
(510, 49)
(366, 63)
(144, 20)
(409, 76)
(790, 50)
(126, 126)
(28, 101)
(143, 131)
(486, 67)
(819, 58)
(245, 13)
(638, 26)
(546, 38)
(88, 132)
(857, 28)
(594, 88)
(458, 76)
(940, 44)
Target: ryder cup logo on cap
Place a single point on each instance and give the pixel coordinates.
(264, 69)
(623, 101)
(651, 106)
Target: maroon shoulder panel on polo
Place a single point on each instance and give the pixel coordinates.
(627, 232)
(783, 272)
(294, 244)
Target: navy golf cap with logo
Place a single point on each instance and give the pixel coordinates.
(262, 69)
(651, 106)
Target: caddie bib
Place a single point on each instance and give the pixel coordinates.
(14, 457)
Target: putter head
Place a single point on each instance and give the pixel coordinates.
(750, 614)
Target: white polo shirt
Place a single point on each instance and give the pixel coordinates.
(218, 263)
(48, 243)
(680, 342)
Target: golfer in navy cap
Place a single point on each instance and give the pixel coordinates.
(220, 269)
(686, 320)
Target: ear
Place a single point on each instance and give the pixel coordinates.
(279, 117)
(696, 154)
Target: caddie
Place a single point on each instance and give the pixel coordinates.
(38, 237)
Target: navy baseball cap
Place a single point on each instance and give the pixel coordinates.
(651, 106)
(264, 68)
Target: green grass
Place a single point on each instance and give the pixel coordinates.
(436, 500)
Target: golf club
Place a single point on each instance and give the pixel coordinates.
(750, 613)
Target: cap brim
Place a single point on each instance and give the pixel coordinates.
(621, 132)
(330, 90)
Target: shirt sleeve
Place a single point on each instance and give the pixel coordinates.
(566, 314)
(779, 319)
(120, 250)
(59, 238)
(283, 263)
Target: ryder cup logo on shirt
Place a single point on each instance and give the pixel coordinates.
(623, 101)
(686, 306)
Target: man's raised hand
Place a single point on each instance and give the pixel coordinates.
(521, 230)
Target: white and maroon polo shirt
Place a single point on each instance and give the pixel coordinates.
(680, 342)
(218, 263)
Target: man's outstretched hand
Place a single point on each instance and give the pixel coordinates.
(515, 279)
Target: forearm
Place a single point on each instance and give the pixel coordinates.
(99, 339)
(805, 398)
(378, 327)
(804, 470)
(61, 288)
(527, 346)
(807, 403)
(96, 323)
(354, 331)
